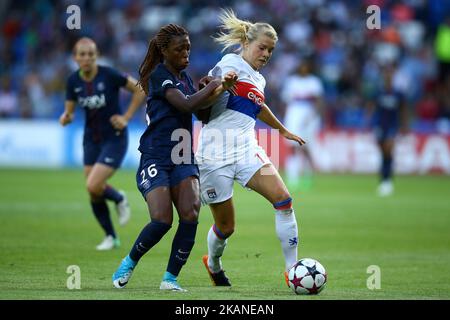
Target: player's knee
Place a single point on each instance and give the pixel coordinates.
(162, 217)
(189, 212)
(228, 232)
(95, 190)
(281, 195)
(227, 229)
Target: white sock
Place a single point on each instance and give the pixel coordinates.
(287, 232)
(216, 246)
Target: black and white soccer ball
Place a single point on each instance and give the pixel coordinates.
(307, 276)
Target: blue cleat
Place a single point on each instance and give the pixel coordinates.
(123, 274)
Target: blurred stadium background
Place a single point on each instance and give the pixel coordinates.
(45, 219)
(35, 51)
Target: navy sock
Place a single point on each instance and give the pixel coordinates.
(149, 236)
(386, 168)
(181, 246)
(101, 212)
(112, 194)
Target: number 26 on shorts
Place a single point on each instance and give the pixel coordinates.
(150, 172)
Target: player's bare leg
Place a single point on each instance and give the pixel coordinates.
(96, 177)
(224, 216)
(268, 183)
(96, 183)
(186, 199)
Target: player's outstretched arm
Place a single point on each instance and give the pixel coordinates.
(202, 98)
(269, 118)
(67, 116)
(228, 82)
(193, 102)
(118, 121)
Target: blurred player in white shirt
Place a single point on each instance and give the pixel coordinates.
(302, 93)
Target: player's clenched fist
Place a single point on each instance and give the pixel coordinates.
(66, 118)
(228, 81)
(118, 121)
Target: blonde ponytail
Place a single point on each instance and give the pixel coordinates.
(236, 29)
(239, 31)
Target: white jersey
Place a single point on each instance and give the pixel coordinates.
(299, 91)
(230, 132)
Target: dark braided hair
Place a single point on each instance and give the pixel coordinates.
(154, 52)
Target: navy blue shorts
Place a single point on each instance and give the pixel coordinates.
(110, 152)
(152, 173)
(383, 133)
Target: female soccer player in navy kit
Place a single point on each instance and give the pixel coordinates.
(96, 89)
(390, 116)
(161, 179)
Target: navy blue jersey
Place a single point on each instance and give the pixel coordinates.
(388, 104)
(100, 100)
(163, 118)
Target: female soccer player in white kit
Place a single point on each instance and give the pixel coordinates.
(228, 149)
(302, 93)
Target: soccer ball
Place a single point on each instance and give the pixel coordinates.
(307, 276)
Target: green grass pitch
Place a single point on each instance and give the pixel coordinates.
(46, 225)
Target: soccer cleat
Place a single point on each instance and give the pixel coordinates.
(386, 188)
(171, 286)
(123, 209)
(218, 279)
(108, 243)
(286, 277)
(123, 274)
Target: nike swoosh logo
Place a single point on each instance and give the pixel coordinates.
(141, 248)
(122, 284)
(183, 252)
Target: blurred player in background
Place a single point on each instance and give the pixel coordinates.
(163, 181)
(96, 89)
(236, 155)
(302, 93)
(389, 115)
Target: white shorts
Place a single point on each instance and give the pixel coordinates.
(217, 179)
(303, 121)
